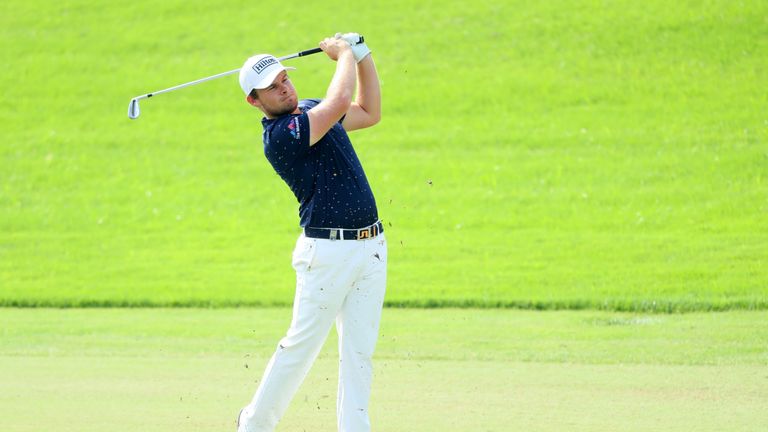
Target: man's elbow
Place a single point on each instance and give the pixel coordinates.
(374, 119)
(368, 121)
(374, 114)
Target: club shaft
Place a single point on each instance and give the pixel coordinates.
(133, 106)
(191, 83)
(232, 72)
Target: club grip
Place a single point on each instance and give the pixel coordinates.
(308, 52)
(317, 50)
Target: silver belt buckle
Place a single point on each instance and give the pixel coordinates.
(334, 234)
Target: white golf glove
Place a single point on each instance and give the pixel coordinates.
(360, 50)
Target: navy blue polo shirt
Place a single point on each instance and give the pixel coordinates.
(326, 178)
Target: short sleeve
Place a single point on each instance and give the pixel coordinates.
(308, 104)
(286, 141)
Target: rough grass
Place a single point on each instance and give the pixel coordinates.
(600, 155)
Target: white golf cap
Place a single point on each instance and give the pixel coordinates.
(260, 71)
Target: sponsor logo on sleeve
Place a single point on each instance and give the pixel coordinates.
(295, 128)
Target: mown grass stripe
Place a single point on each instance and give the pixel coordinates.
(661, 306)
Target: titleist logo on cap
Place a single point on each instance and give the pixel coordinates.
(263, 64)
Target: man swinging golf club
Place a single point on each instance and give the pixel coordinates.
(340, 258)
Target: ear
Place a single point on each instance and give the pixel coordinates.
(252, 101)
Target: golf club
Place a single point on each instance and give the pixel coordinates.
(133, 106)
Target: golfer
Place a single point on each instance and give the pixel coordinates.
(340, 258)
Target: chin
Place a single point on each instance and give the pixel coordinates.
(284, 110)
(293, 104)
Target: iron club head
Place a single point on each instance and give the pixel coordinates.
(133, 109)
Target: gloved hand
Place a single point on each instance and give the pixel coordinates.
(360, 50)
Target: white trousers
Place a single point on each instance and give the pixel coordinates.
(341, 280)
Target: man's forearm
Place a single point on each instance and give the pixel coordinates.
(369, 91)
(342, 86)
(338, 98)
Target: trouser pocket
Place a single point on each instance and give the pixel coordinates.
(304, 253)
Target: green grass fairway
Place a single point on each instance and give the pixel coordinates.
(553, 155)
(436, 371)
(595, 162)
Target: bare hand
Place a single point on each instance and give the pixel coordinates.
(333, 47)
